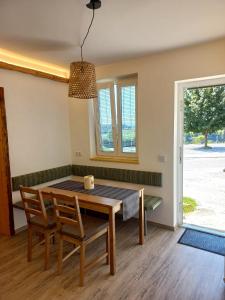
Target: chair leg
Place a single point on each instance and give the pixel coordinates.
(53, 239)
(47, 250)
(82, 261)
(29, 244)
(40, 236)
(60, 255)
(145, 217)
(107, 247)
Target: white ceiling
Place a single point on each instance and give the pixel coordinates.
(51, 30)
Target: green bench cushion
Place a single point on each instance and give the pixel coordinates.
(131, 176)
(40, 177)
(151, 202)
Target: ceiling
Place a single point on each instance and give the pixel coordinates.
(51, 30)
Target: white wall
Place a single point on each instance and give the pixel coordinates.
(38, 122)
(37, 113)
(156, 76)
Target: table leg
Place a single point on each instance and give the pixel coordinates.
(112, 249)
(141, 219)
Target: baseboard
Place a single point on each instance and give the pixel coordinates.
(172, 228)
(23, 228)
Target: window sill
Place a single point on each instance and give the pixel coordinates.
(126, 160)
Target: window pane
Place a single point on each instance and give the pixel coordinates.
(128, 122)
(105, 120)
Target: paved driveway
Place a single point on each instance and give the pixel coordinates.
(204, 180)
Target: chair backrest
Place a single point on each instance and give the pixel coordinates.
(33, 204)
(67, 212)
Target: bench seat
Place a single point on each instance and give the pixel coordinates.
(150, 204)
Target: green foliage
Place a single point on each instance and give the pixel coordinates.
(189, 205)
(198, 139)
(204, 110)
(129, 135)
(210, 142)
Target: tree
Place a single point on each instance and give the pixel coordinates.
(204, 110)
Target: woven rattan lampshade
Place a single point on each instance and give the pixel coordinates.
(82, 82)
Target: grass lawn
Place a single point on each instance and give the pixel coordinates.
(189, 205)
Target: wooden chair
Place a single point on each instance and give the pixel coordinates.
(78, 230)
(37, 220)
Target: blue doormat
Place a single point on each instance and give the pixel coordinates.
(204, 241)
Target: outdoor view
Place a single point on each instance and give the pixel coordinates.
(105, 120)
(204, 157)
(128, 115)
(127, 122)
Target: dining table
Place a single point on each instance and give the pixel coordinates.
(108, 197)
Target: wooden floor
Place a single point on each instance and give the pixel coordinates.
(161, 269)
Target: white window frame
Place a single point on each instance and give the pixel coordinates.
(117, 130)
(99, 151)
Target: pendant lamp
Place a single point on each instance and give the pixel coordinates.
(82, 81)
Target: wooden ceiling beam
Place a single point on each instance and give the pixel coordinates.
(7, 66)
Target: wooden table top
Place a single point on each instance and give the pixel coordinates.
(84, 197)
(107, 202)
(103, 201)
(118, 184)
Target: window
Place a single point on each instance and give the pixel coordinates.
(116, 118)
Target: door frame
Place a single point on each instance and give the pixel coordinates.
(180, 86)
(6, 213)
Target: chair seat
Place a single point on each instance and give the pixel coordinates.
(151, 202)
(50, 212)
(40, 222)
(91, 226)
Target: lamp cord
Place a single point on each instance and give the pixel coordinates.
(81, 47)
